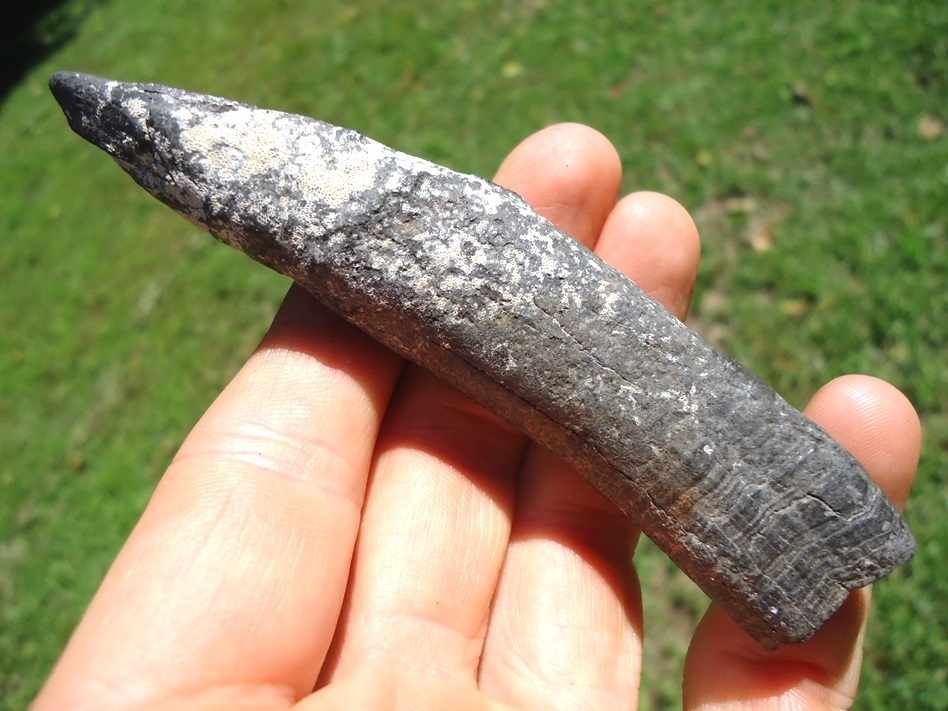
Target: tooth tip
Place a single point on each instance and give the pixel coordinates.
(61, 84)
(75, 88)
(81, 97)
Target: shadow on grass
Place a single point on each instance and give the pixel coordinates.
(31, 31)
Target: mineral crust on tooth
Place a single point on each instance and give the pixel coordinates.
(768, 514)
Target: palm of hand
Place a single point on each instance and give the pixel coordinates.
(339, 521)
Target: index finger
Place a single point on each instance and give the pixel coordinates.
(235, 573)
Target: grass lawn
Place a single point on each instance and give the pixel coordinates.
(810, 141)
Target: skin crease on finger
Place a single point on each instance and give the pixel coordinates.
(638, 235)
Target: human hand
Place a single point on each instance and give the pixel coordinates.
(344, 531)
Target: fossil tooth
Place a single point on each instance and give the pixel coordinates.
(766, 512)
